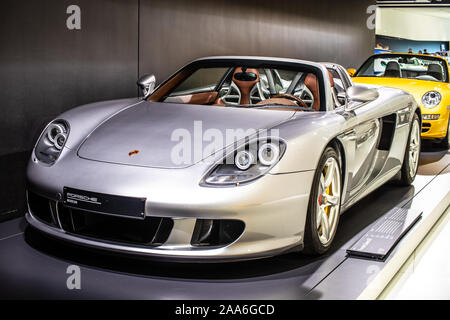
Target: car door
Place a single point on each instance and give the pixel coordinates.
(361, 141)
(366, 136)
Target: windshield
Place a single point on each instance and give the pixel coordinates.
(405, 66)
(242, 86)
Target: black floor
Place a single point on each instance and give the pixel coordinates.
(12, 185)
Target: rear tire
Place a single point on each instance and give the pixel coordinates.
(324, 204)
(412, 152)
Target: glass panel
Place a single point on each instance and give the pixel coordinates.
(405, 66)
(249, 86)
(205, 79)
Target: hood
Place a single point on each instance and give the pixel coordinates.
(149, 134)
(417, 88)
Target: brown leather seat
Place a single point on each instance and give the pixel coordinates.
(331, 79)
(245, 86)
(313, 85)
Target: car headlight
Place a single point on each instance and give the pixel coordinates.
(431, 99)
(52, 141)
(244, 159)
(247, 163)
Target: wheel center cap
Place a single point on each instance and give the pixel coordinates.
(322, 200)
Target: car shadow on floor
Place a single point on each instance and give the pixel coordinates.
(352, 223)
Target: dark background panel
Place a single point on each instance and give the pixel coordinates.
(175, 32)
(45, 69)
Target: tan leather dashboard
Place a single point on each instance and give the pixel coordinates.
(196, 98)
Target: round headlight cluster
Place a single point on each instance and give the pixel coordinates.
(57, 135)
(268, 154)
(244, 159)
(246, 164)
(52, 141)
(431, 99)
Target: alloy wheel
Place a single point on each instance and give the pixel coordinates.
(414, 148)
(328, 201)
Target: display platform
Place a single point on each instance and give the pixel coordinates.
(384, 234)
(33, 266)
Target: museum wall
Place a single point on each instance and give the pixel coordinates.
(174, 32)
(47, 68)
(426, 27)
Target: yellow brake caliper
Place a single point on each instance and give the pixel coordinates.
(328, 191)
(327, 209)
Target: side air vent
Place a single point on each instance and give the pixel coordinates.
(387, 132)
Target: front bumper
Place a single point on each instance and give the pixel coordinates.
(273, 209)
(435, 129)
(182, 254)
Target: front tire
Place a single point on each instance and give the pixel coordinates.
(324, 204)
(445, 143)
(411, 158)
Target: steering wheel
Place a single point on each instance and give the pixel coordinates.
(299, 101)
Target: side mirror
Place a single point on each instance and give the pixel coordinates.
(342, 97)
(361, 94)
(147, 84)
(351, 72)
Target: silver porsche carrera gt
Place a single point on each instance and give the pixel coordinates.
(230, 158)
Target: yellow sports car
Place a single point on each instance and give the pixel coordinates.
(423, 76)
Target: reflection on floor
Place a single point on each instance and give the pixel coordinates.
(33, 266)
(426, 274)
(433, 159)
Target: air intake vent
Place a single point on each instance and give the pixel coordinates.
(42, 208)
(151, 231)
(216, 233)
